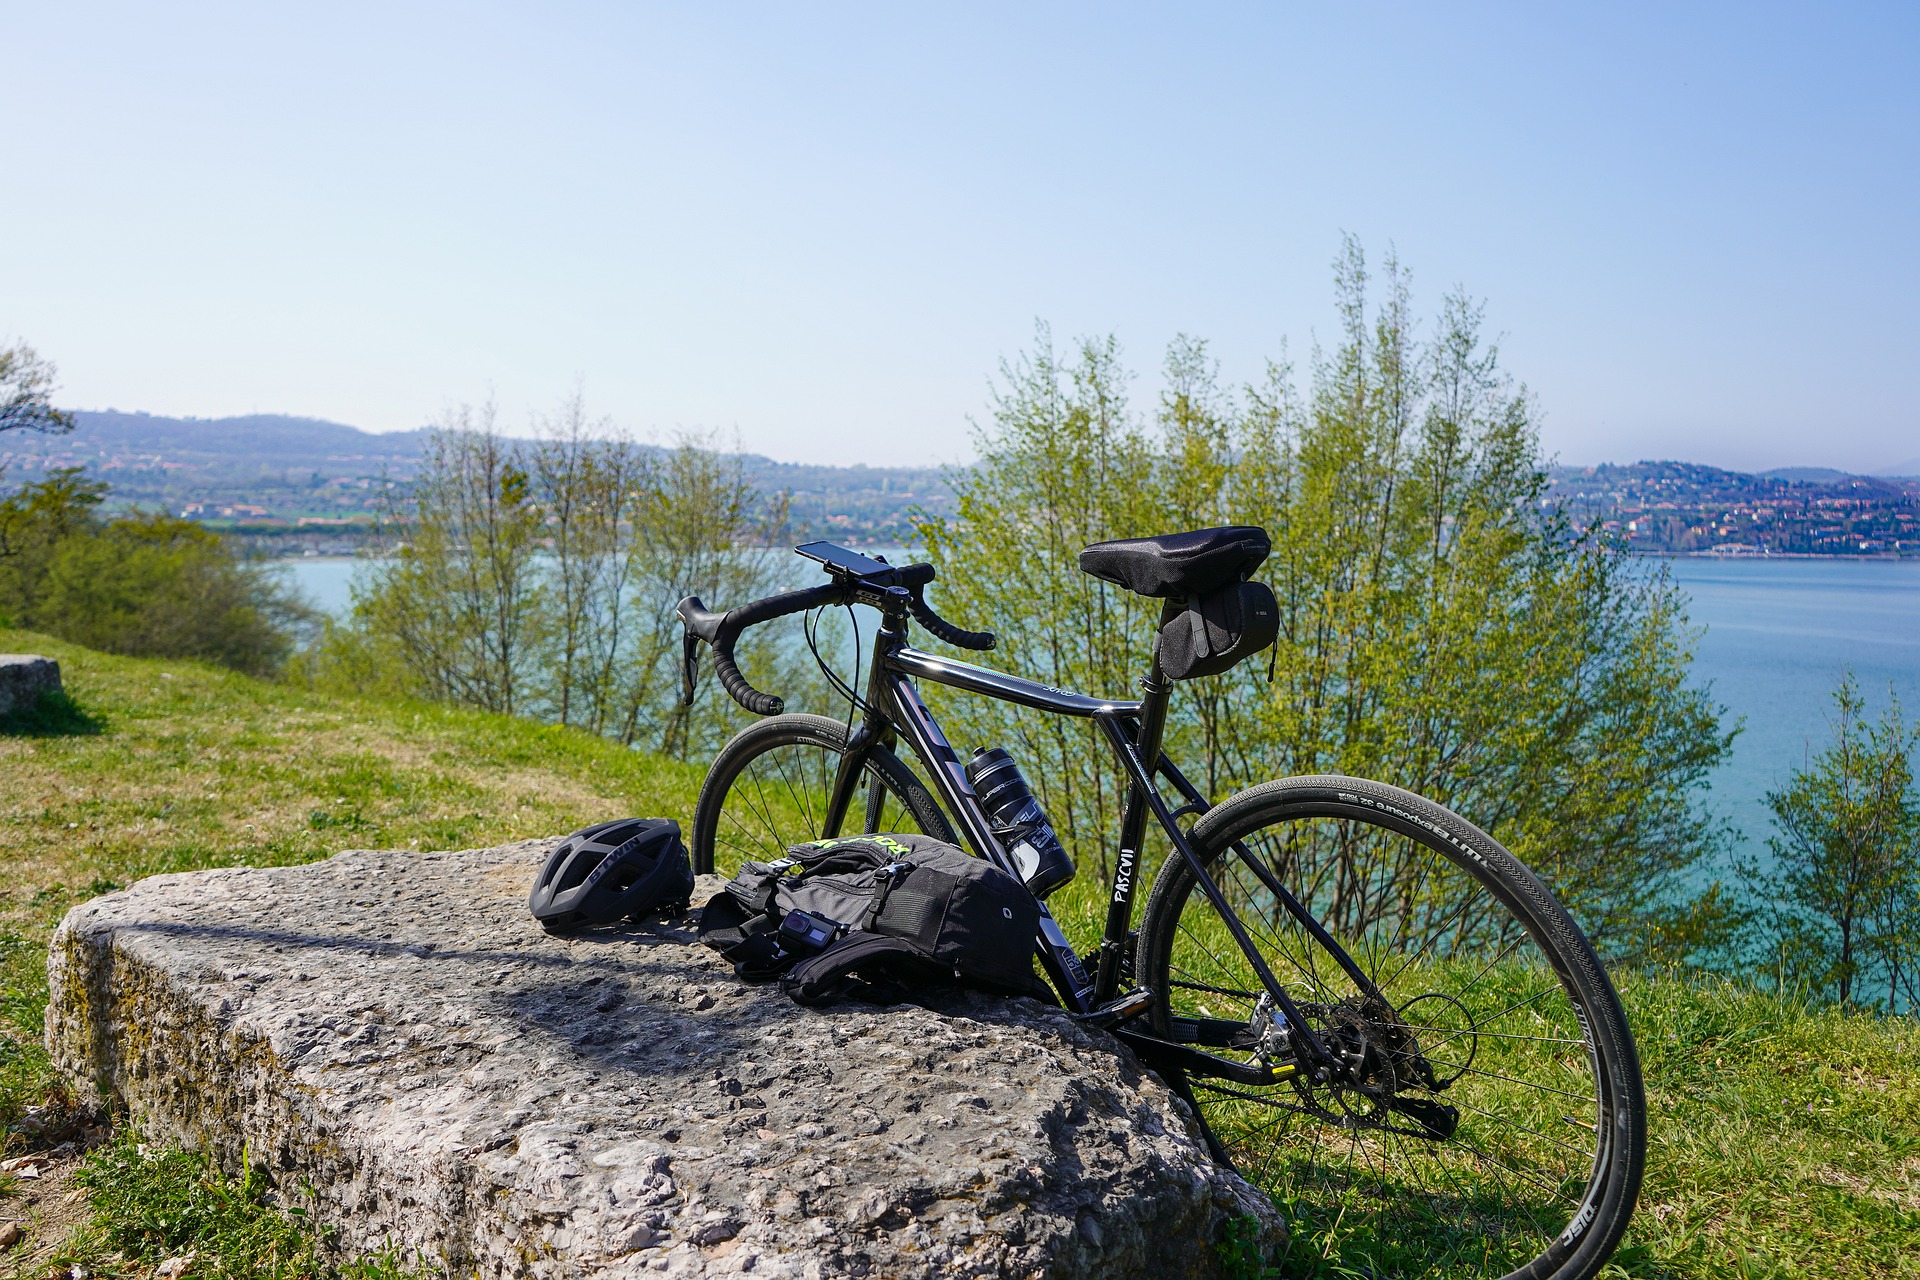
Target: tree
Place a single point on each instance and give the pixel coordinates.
(701, 528)
(144, 584)
(457, 607)
(588, 481)
(540, 579)
(1442, 628)
(1064, 463)
(1846, 871)
(26, 390)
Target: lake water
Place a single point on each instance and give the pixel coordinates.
(326, 581)
(1778, 633)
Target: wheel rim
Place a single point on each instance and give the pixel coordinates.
(779, 798)
(1470, 1015)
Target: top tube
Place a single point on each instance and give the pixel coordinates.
(1005, 687)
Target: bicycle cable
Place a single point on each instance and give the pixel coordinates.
(809, 626)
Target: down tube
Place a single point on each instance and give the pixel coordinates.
(1057, 955)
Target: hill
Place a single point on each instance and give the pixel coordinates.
(267, 472)
(300, 484)
(1667, 507)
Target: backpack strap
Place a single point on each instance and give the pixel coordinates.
(830, 975)
(884, 882)
(749, 941)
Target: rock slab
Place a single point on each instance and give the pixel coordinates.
(400, 1048)
(23, 678)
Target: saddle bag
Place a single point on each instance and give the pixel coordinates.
(874, 917)
(1217, 630)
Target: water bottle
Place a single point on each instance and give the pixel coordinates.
(1020, 821)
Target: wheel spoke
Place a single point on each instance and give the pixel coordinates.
(1389, 1194)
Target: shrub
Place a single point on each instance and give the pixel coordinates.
(142, 584)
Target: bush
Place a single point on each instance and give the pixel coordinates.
(146, 585)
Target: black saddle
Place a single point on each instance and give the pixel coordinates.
(1179, 566)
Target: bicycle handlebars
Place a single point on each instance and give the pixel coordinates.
(721, 630)
(959, 637)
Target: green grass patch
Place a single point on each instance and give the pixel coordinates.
(154, 1203)
(1784, 1139)
(146, 766)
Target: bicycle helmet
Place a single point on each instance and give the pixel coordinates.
(612, 871)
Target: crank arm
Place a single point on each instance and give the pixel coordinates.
(1114, 1012)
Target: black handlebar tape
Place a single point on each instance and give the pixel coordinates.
(786, 602)
(913, 575)
(761, 704)
(734, 621)
(939, 626)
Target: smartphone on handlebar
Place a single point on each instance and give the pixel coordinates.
(851, 562)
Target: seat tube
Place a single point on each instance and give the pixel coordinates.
(1133, 822)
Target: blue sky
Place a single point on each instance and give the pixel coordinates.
(821, 227)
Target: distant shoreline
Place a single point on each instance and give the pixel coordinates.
(1894, 558)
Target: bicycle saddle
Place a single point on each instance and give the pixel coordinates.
(1179, 565)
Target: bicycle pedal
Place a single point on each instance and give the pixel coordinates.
(1117, 1011)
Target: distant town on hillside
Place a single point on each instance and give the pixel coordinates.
(1682, 507)
(301, 485)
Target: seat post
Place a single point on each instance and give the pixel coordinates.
(1159, 691)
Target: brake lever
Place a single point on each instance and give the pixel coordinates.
(689, 666)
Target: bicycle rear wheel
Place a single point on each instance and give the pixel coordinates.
(768, 788)
(1487, 1115)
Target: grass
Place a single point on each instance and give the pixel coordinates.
(1785, 1138)
(151, 766)
(152, 1204)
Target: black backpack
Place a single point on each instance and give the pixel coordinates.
(875, 917)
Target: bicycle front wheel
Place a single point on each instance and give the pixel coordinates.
(769, 787)
(1485, 1116)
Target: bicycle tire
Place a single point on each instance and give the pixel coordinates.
(787, 805)
(1531, 1201)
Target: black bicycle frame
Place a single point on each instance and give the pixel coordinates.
(1133, 730)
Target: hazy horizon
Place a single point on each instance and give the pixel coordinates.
(1910, 471)
(822, 229)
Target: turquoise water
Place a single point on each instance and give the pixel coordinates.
(1778, 633)
(326, 581)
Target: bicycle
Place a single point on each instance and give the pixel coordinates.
(1444, 1083)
